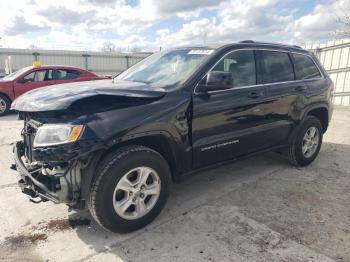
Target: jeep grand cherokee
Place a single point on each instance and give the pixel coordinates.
(114, 146)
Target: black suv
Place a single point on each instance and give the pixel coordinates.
(115, 145)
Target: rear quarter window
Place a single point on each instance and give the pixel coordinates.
(71, 74)
(65, 74)
(305, 67)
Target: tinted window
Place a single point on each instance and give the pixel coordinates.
(39, 76)
(305, 68)
(65, 74)
(277, 67)
(242, 65)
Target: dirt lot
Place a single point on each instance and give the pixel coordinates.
(260, 209)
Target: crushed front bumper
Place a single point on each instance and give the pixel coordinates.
(62, 186)
(28, 184)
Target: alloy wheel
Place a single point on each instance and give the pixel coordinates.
(310, 142)
(136, 193)
(2, 105)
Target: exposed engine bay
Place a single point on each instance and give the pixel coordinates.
(58, 181)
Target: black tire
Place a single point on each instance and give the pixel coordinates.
(295, 154)
(7, 102)
(110, 171)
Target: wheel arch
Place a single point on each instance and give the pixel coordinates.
(6, 95)
(321, 112)
(161, 142)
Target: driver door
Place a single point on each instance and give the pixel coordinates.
(229, 123)
(34, 79)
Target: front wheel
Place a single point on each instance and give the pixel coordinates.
(5, 104)
(307, 143)
(130, 189)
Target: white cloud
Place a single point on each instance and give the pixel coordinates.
(87, 24)
(236, 20)
(320, 24)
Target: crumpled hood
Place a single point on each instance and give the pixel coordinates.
(60, 97)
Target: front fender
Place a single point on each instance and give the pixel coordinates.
(168, 118)
(7, 90)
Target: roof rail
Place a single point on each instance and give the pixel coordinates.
(263, 43)
(247, 41)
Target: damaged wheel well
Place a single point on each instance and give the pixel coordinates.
(158, 143)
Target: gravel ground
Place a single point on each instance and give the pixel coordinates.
(259, 209)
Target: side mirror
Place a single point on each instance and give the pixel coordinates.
(216, 80)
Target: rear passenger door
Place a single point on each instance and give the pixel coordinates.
(285, 96)
(307, 71)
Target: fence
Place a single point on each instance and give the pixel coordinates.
(335, 57)
(98, 62)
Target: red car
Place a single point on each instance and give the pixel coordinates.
(28, 78)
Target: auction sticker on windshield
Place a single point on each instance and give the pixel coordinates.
(200, 52)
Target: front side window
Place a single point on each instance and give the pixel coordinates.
(305, 68)
(277, 67)
(30, 77)
(38, 76)
(166, 69)
(242, 66)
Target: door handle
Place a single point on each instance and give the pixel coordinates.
(254, 95)
(300, 88)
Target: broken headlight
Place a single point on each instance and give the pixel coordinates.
(52, 134)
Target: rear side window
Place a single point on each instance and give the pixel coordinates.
(65, 74)
(305, 67)
(277, 67)
(242, 65)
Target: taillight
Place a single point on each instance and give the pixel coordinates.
(332, 87)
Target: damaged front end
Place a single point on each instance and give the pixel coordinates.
(65, 128)
(52, 172)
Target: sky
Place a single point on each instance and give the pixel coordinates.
(148, 25)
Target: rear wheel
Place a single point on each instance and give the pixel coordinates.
(306, 145)
(130, 190)
(4, 105)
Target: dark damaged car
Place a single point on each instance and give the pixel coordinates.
(114, 146)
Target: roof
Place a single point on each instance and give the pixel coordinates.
(59, 66)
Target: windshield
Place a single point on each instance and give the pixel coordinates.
(15, 74)
(166, 69)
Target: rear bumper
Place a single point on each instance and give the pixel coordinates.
(330, 112)
(28, 183)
